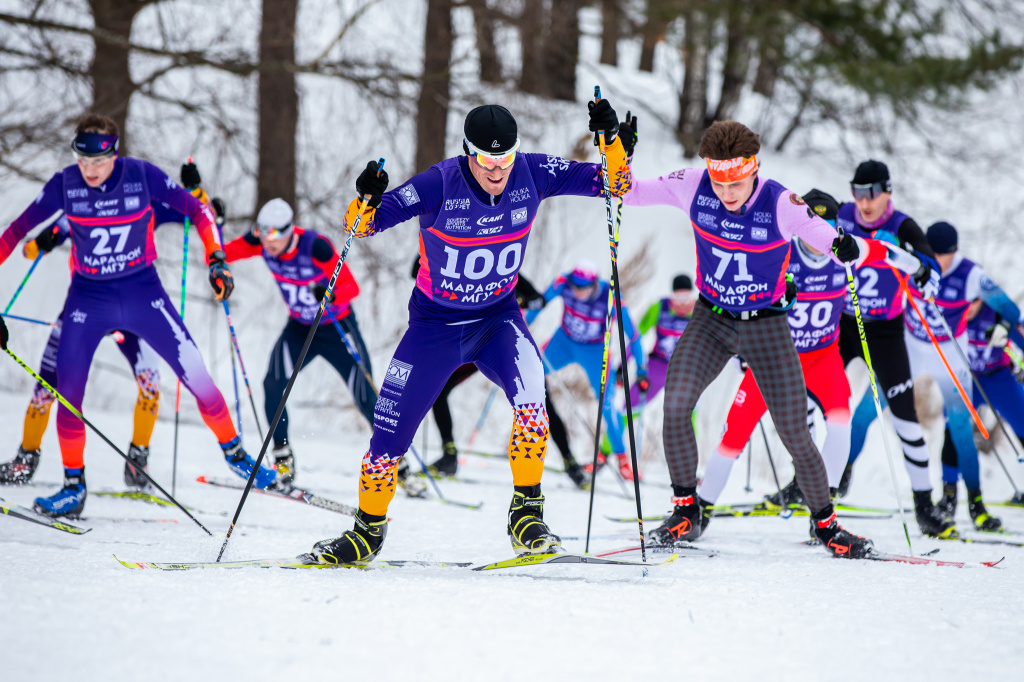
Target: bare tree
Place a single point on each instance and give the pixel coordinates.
(483, 20)
(278, 103)
(611, 20)
(432, 107)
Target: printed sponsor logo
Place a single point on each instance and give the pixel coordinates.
(78, 317)
(795, 198)
(794, 268)
(132, 187)
(676, 175)
(387, 406)
(398, 373)
(306, 272)
(706, 219)
(517, 195)
(105, 203)
(108, 212)
(838, 279)
(39, 197)
(457, 204)
(171, 184)
(78, 193)
(131, 203)
(409, 195)
(899, 388)
(710, 202)
(457, 224)
(732, 235)
(81, 207)
(730, 225)
(489, 230)
(949, 293)
(519, 216)
(555, 165)
(763, 217)
(488, 220)
(759, 233)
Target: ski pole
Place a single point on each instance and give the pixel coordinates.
(750, 452)
(771, 460)
(483, 417)
(974, 378)
(613, 247)
(29, 319)
(177, 396)
(109, 442)
(241, 365)
(874, 392)
(21, 286)
(219, 222)
(298, 365)
(942, 356)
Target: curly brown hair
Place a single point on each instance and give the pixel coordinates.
(728, 140)
(94, 123)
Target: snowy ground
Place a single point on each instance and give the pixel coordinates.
(766, 607)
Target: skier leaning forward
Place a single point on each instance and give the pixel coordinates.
(475, 213)
(743, 226)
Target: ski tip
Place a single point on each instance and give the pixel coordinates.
(200, 479)
(129, 564)
(993, 564)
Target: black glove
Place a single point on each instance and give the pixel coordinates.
(220, 209)
(3, 334)
(603, 117)
(220, 277)
(48, 240)
(846, 248)
(627, 133)
(190, 176)
(369, 182)
(318, 291)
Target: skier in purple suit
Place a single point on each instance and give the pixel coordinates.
(475, 215)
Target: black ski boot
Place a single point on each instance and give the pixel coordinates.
(526, 527)
(575, 472)
(19, 470)
(929, 520)
(837, 540)
(362, 543)
(1017, 500)
(133, 477)
(790, 494)
(707, 510)
(414, 486)
(947, 503)
(844, 481)
(448, 464)
(686, 523)
(982, 519)
(284, 462)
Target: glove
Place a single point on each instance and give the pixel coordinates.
(372, 183)
(602, 117)
(998, 334)
(219, 209)
(846, 248)
(190, 176)
(45, 242)
(927, 280)
(642, 382)
(3, 334)
(627, 133)
(220, 277)
(318, 291)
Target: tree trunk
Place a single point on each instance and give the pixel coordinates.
(532, 77)
(112, 85)
(770, 50)
(432, 107)
(562, 49)
(737, 61)
(278, 104)
(611, 20)
(659, 14)
(693, 100)
(490, 66)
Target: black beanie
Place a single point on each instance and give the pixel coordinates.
(871, 172)
(823, 204)
(491, 128)
(942, 238)
(682, 283)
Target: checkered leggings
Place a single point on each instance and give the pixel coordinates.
(765, 344)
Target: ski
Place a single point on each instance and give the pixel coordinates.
(293, 493)
(26, 514)
(763, 509)
(299, 562)
(562, 558)
(682, 550)
(925, 561)
(970, 539)
(141, 496)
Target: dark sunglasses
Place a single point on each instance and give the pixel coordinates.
(870, 191)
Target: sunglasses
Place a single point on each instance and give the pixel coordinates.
(490, 161)
(92, 161)
(870, 191)
(271, 233)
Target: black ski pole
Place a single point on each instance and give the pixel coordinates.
(298, 365)
(74, 411)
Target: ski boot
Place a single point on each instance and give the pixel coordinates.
(947, 503)
(362, 543)
(284, 463)
(20, 469)
(686, 523)
(414, 486)
(837, 540)
(1017, 500)
(707, 510)
(575, 472)
(844, 481)
(133, 477)
(526, 528)
(789, 495)
(982, 519)
(448, 464)
(242, 463)
(588, 468)
(929, 520)
(626, 467)
(68, 501)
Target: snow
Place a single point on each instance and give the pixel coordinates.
(767, 606)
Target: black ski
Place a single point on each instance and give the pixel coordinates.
(292, 493)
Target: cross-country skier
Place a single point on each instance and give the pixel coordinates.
(881, 296)
(527, 298)
(580, 340)
(475, 215)
(108, 202)
(743, 226)
(668, 318)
